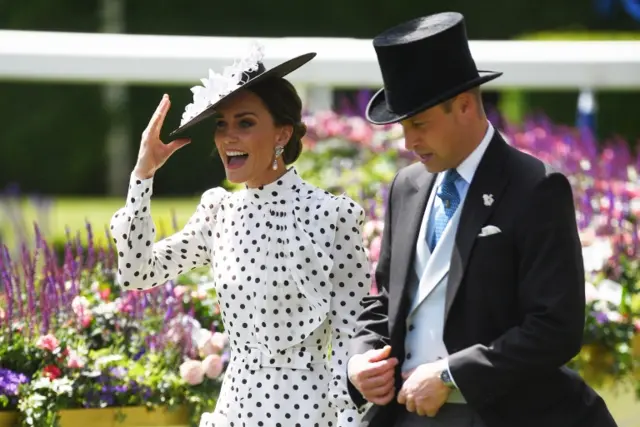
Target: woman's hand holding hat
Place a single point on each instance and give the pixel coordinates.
(153, 152)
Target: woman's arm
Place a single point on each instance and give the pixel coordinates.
(143, 264)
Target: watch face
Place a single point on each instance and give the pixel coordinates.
(446, 379)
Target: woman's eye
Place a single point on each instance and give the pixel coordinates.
(220, 124)
(246, 123)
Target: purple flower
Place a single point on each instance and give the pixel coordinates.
(118, 372)
(601, 317)
(10, 382)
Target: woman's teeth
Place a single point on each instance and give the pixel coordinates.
(235, 153)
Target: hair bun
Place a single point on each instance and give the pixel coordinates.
(294, 147)
(300, 130)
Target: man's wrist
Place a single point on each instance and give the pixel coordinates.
(447, 380)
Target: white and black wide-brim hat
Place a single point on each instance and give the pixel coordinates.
(217, 87)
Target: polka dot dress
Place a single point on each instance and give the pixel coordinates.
(290, 270)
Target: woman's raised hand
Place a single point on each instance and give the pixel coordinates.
(153, 152)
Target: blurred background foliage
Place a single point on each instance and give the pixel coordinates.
(57, 131)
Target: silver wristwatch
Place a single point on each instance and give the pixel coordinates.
(446, 379)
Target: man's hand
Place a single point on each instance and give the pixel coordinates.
(372, 373)
(423, 392)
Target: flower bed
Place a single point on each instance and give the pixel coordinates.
(71, 340)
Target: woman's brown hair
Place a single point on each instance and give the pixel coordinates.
(283, 102)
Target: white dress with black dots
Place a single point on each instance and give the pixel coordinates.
(290, 270)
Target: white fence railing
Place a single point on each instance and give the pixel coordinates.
(151, 59)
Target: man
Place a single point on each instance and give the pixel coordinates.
(481, 276)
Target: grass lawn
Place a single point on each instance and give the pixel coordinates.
(624, 406)
(72, 213)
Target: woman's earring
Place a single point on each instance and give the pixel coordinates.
(279, 150)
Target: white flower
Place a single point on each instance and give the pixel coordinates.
(596, 254)
(216, 86)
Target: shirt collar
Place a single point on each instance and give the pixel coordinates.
(278, 190)
(467, 168)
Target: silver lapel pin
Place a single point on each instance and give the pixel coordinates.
(488, 199)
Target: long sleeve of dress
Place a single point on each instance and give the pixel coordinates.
(143, 264)
(351, 278)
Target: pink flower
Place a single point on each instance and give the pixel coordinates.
(374, 287)
(179, 290)
(372, 228)
(75, 361)
(637, 323)
(212, 366)
(105, 294)
(47, 342)
(192, 372)
(213, 344)
(174, 335)
(123, 306)
(374, 248)
(199, 295)
(86, 320)
(219, 341)
(79, 305)
(360, 131)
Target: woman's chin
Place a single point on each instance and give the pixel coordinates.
(235, 176)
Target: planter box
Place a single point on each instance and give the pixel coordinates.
(8, 419)
(137, 416)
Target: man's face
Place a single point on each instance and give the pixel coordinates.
(435, 134)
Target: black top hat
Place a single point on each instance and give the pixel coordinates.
(217, 87)
(423, 62)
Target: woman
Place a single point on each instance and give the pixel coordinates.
(288, 260)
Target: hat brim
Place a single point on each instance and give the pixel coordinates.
(378, 112)
(279, 70)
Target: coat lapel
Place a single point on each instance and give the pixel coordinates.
(490, 179)
(438, 263)
(410, 220)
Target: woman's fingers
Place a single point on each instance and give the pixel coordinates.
(157, 120)
(177, 144)
(158, 117)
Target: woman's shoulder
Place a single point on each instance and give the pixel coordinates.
(348, 210)
(212, 198)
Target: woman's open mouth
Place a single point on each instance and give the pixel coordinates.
(236, 159)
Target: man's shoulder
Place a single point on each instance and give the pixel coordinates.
(409, 174)
(526, 169)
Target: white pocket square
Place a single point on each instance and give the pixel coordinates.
(489, 230)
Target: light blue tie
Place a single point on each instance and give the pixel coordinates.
(450, 199)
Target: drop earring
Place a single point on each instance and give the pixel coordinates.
(278, 151)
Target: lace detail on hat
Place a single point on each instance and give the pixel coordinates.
(217, 86)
